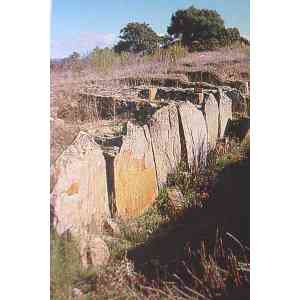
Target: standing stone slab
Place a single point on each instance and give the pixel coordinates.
(194, 134)
(239, 104)
(211, 111)
(135, 175)
(79, 197)
(164, 132)
(225, 108)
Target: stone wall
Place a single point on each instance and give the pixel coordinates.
(83, 190)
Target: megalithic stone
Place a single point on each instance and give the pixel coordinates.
(225, 109)
(194, 139)
(135, 173)
(165, 136)
(79, 198)
(211, 112)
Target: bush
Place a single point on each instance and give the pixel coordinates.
(65, 266)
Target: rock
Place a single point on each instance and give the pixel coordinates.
(98, 252)
(211, 112)
(238, 128)
(225, 109)
(164, 132)
(135, 175)
(77, 293)
(94, 251)
(194, 134)
(239, 104)
(198, 98)
(79, 197)
(111, 227)
(176, 200)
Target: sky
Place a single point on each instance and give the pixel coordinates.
(81, 25)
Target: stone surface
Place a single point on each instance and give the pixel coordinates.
(135, 175)
(194, 134)
(79, 197)
(93, 251)
(239, 104)
(111, 227)
(164, 132)
(211, 111)
(225, 109)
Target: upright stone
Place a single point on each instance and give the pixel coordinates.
(225, 108)
(194, 129)
(79, 198)
(239, 104)
(135, 175)
(211, 111)
(164, 132)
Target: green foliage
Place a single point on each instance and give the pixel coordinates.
(202, 29)
(137, 37)
(194, 24)
(65, 266)
(162, 202)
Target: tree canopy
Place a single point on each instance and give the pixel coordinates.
(137, 37)
(202, 26)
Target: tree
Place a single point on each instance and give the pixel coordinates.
(194, 24)
(137, 37)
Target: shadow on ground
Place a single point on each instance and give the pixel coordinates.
(228, 210)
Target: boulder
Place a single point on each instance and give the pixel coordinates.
(93, 251)
(194, 134)
(211, 112)
(164, 132)
(79, 197)
(225, 109)
(135, 175)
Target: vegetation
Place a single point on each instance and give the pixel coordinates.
(146, 264)
(202, 29)
(137, 37)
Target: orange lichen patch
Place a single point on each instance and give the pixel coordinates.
(135, 185)
(73, 188)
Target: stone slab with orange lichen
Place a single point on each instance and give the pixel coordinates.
(135, 175)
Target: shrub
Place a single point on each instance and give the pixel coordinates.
(65, 265)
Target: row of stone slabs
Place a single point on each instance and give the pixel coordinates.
(93, 106)
(90, 184)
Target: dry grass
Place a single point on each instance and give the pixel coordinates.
(162, 256)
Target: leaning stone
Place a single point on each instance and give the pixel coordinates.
(194, 137)
(135, 175)
(79, 197)
(164, 132)
(211, 112)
